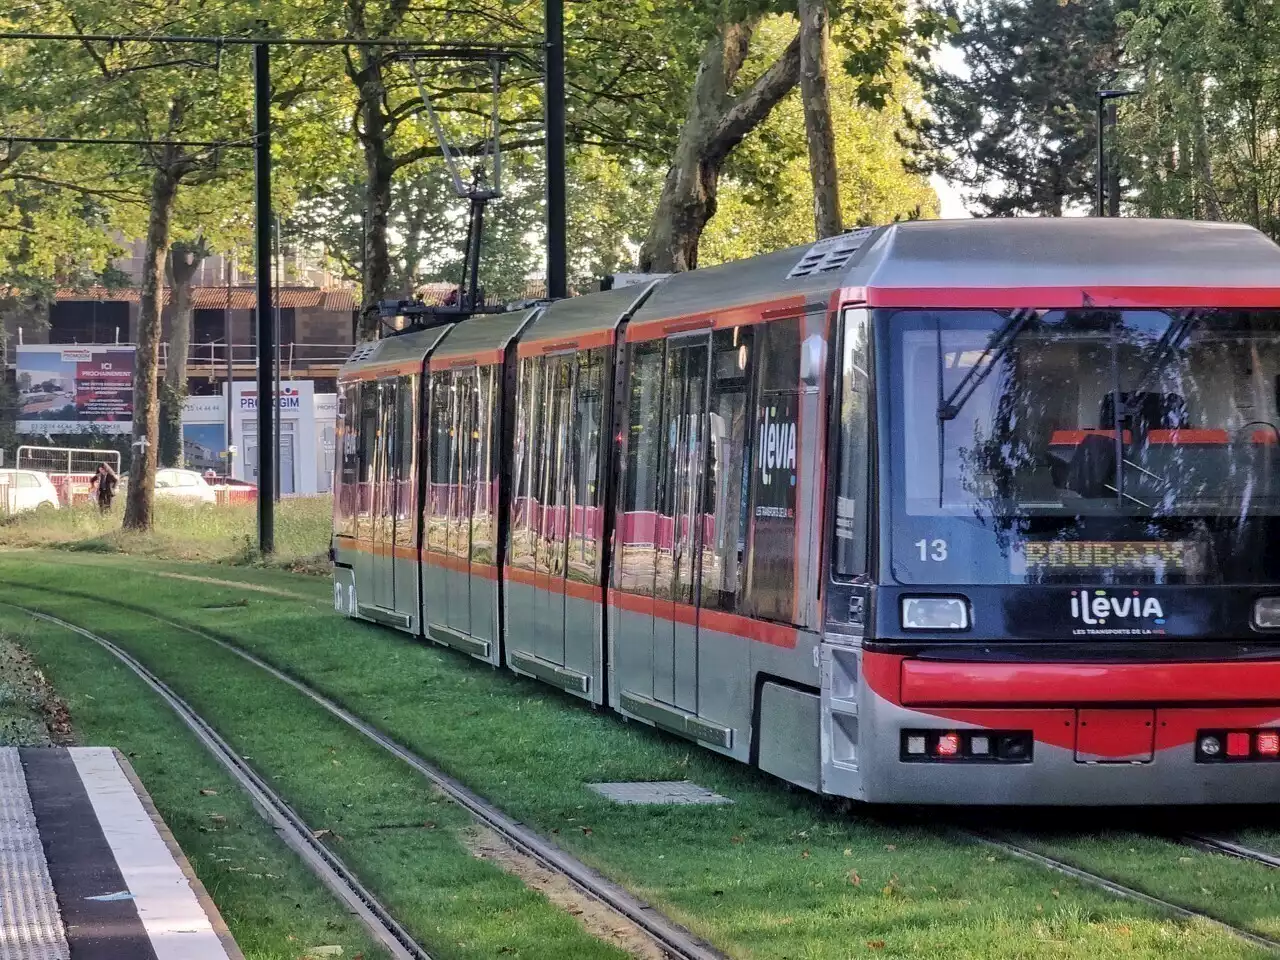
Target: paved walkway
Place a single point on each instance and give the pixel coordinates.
(88, 870)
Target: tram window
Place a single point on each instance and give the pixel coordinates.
(406, 410)
(462, 402)
(485, 496)
(771, 576)
(684, 452)
(638, 535)
(526, 515)
(438, 457)
(727, 470)
(850, 547)
(559, 384)
(584, 499)
(348, 493)
(368, 435)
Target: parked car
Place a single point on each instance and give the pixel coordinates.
(184, 485)
(27, 490)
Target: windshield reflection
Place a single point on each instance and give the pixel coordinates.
(1147, 438)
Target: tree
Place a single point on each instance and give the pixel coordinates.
(730, 96)
(765, 200)
(814, 37)
(183, 263)
(1015, 127)
(1201, 141)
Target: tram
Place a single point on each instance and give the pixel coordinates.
(955, 512)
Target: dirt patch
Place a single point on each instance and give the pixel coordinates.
(31, 713)
(599, 920)
(234, 584)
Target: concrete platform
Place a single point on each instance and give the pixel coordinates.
(89, 871)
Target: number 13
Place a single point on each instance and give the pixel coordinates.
(936, 551)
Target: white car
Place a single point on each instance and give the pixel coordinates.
(184, 485)
(26, 490)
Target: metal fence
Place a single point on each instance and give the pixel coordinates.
(70, 468)
(65, 460)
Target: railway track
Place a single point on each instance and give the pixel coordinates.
(1008, 845)
(1230, 848)
(295, 832)
(670, 938)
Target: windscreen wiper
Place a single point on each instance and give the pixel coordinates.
(999, 344)
(1174, 336)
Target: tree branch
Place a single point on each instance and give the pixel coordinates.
(754, 106)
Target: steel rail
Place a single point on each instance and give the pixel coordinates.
(674, 940)
(1230, 848)
(291, 828)
(1115, 888)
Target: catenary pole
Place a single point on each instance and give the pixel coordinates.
(553, 92)
(1099, 210)
(266, 328)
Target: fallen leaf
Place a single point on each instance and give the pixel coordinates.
(805, 855)
(217, 819)
(430, 824)
(854, 878)
(890, 846)
(735, 839)
(848, 851)
(875, 944)
(587, 831)
(206, 792)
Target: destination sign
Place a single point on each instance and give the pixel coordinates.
(1062, 555)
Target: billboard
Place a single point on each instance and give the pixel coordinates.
(74, 389)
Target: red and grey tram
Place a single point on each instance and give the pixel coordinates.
(941, 512)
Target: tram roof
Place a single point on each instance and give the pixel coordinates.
(482, 338)
(589, 320)
(1069, 262)
(392, 356)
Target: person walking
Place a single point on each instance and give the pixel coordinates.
(103, 486)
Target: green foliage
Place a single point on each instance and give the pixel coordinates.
(771, 206)
(1202, 139)
(1015, 127)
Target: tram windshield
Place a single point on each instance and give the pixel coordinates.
(1092, 446)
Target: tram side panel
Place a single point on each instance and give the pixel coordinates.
(459, 562)
(375, 531)
(712, 600)
(554, 616)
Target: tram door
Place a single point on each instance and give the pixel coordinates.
(385, 496)
(457, 595)
(675, 639)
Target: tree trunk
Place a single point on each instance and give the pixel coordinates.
(1203, 164)
(146, 432)
(184, 261)
(816, 95)
(715, 125)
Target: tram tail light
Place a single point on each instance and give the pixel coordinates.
(1228, 746)
(965, 746)
(948, 745)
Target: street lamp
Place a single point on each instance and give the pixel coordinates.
(1103, 97)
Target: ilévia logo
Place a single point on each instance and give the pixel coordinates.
(1097, 606)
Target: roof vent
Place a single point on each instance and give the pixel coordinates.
(833, 253)
(363, 351)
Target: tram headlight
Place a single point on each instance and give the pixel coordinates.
(935, 613)
(1266, 613)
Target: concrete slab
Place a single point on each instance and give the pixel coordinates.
(666, 792)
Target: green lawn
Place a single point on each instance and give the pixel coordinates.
(780, 874)
(183, 531)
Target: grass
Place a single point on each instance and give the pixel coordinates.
(272, 904)
(184, 531)
(402, 839)
(778, 875)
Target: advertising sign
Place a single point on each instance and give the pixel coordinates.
(74, 389)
